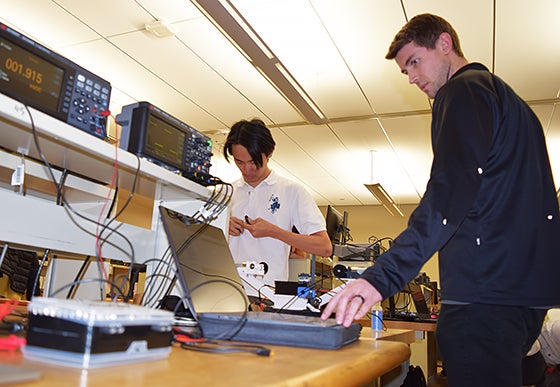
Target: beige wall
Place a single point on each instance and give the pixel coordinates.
(367, 221)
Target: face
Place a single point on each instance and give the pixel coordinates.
(251, 173)
(429, 69)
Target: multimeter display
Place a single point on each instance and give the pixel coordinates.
(46, 81)
(35, 78)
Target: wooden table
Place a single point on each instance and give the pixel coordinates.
(353, 365)
(394, 334)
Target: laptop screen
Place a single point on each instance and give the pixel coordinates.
(206, 271)
(418, 298)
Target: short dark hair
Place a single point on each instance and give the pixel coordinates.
(254, 136)
(424, 30)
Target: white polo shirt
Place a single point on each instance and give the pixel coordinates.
(549, 338)
(281, 202)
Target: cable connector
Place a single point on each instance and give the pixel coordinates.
(11, 343)
(263, 352)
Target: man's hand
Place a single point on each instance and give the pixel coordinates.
(260, 228)
(353, 302)
(236, 226)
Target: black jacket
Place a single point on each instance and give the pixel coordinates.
(490, 206)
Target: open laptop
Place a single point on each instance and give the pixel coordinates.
(214, 294)
(419, 300)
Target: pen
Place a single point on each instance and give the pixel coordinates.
(247, 219)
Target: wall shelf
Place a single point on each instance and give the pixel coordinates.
(32, 217)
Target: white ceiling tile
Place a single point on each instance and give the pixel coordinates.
(46, 23)
(473, 21)
(167, 57)
(305, 48)
(108, 17)
(134, 80)
(171, 11)
(363, 33)
(549, 115)
(231, 70)
(527, 47)
(411, 139)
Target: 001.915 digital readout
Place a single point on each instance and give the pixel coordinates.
(28, 77)
(24, 71)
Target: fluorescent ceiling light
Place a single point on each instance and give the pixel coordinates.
(227, 19)
(383, 197)
(240, 20)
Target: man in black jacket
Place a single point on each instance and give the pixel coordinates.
(489, 208)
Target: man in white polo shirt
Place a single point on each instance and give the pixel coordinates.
(266, 206)
(541, 366)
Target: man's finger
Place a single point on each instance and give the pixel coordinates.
(354, 305)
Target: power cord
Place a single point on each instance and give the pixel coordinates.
(194, 343)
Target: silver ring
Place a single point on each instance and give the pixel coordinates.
(360, 297)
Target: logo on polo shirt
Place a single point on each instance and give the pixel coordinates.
(274, 203)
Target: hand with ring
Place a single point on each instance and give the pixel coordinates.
(353, 302)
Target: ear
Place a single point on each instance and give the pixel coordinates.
(445, 42)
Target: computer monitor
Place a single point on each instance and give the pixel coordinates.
(337, 225)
